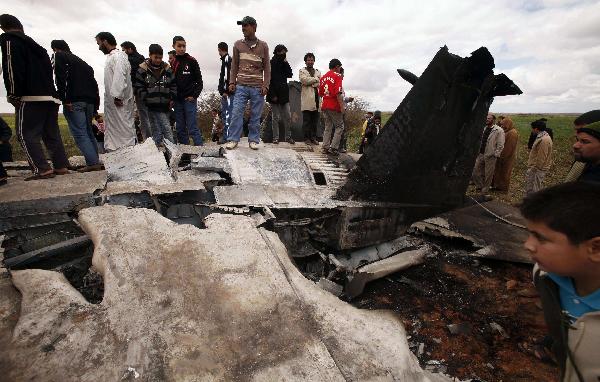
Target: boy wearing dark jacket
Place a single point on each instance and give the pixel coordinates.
(279, 93)
(78, 91)
(155, 85)
(30, 89)
(189, 85)
(564, 241)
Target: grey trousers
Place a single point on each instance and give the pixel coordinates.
(534, 179)
(334, 128)
(281, 112)
(483, 173)
(144, 119)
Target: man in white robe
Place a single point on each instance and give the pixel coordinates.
(118, 95)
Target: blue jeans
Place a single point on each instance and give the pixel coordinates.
(185, 117)
(226, 110)
(160, 126)
(80, 124)
(243, 94)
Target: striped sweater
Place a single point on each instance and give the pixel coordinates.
(250, 65)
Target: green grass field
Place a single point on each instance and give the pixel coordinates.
(561, 124)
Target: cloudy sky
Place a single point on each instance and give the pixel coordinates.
(550, 48)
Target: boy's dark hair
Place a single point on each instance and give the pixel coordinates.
(172, 52)
(334, 62)
(539, 124)
(569, 208)
(177, 38)
(108, 37)
(10, 22)
(223, 46)
(307, 55)
(155, 49)
(60, 45)
(128, 45)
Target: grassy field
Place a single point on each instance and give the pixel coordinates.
(561, 124)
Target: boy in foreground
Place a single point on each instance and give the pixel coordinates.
(564, 241)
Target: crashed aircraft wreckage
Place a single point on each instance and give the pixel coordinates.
(108, 292)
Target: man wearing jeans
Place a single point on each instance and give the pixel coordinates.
(250, 77)
(78, 91)
(189, 85)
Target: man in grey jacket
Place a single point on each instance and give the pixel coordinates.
(492, 144)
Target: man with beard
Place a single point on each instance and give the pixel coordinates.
(492, 144)
(30, 89)
(135, 60)
(583, 120)
(118, 95)
(587, 150)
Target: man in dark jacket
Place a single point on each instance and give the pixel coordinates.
(78, 90)
(5, 149)
(279, 93)
(226, 97)
(189, 85)
(155, 85)
(30, 89)
(135, 60)
(587, 150)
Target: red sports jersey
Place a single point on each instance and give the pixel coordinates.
(330, 87)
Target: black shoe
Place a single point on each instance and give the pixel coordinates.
(275, 141)
(333, 152)
(291, 141)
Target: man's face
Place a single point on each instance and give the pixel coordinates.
(553, 251)
(127, 50)
(179, 47)
(489, 120)
(587, 148)
(248, 30)
(156, 59)
(310, 62)
(221, 52)
(377, 121)
(102, 46)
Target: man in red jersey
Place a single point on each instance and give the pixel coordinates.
(332, 108)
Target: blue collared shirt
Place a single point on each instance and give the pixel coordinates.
(573, 304)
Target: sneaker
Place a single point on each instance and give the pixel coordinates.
(253, 145)
(275, 141)
(96, 167)
(231, 145)
(290, 141)
(333, 152)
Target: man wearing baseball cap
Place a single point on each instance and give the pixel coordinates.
(250, 78)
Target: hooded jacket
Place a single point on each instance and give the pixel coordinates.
(187, 76)
(279, 92)
(75, 80)
(26, 69)
(156, 88)
(540, 156)
(495, 143)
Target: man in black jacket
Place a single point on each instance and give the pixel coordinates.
(135, 60)
(78, 90)
(30, 89)
(279, 93)
(226, 97)
(189, 85)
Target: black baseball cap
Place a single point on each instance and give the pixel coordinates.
(247, 20)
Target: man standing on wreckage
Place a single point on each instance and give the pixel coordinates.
(118, 95)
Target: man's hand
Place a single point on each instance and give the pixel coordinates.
(118, 102)
(67, 106)
(264, 90)
(231, 88)
(189, 99)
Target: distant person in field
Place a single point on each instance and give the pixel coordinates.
(309, 99)
(118, 95)
(564, 243)
(492, 144)
(156, 88)
(540, 158)
(250, 79)
(189, 85)
(30, 89)
(78, 90)
(226, 97)
(279, 93)
(533, 135)
(5, 149)
(333, 108)
(368, 116)
(506, 161)
(135, 60)
(371, 132)
(582, 121)
(587, 150)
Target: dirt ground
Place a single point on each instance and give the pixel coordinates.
(452, 288)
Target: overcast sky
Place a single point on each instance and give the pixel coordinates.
(550, 48)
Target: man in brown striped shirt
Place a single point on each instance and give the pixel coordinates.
(250, 78)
